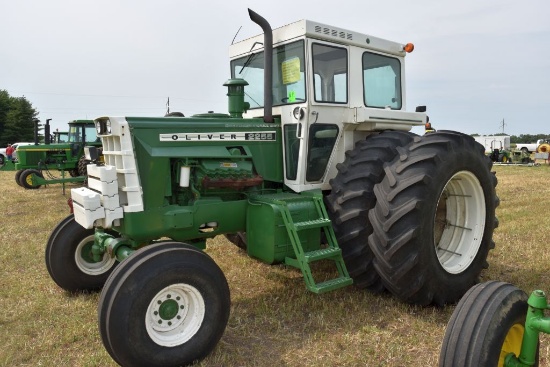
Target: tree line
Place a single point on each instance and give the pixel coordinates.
(17, 119)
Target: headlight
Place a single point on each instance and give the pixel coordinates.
(103, 126)
(98, 127)
(298, 113)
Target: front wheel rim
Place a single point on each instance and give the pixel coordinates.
(459, 222)
(28, 179)
(175, 315)
(84, 259)
(512, 343)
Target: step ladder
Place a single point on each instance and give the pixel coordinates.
(304, 259)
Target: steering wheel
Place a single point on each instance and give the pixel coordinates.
(286, 99)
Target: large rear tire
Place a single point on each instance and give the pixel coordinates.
(487, 324)
(69, 258)
(352, 197)
(177, 317)
(82, 166)
(434, 218)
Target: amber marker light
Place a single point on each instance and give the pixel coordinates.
(409, 47)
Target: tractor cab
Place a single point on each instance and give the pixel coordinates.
(82, 133)
(330, 88)
(60, 137)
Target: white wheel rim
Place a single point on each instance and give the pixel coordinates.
(175, 315)
(82, 257)
(459, 222)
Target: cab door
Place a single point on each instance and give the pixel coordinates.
(312, 131)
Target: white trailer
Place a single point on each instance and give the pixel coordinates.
(492, 142)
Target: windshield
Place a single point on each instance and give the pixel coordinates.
(76, 132)
(288, 75)
(60, 137)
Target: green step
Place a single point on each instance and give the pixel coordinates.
(326, 253)
(316, 223)
(303, 259)
(331, 285)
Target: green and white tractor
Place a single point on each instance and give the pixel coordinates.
(314, 161)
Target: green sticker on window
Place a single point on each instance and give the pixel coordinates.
(292, 96)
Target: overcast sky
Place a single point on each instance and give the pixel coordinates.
(475, 63)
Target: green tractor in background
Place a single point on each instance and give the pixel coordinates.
(59, 137)
(314, 162)
(65, 154)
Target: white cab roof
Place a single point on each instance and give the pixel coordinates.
(310, 29)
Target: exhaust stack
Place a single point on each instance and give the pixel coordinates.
(47, 132)
(268, 64)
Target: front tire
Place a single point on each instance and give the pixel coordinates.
(18, 177)
(179, 314)
(352, 197)
(487, 324)
(69, 258)
(434, 219)
(25, 178)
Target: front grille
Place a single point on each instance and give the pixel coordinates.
(113, 188)
(31, 158)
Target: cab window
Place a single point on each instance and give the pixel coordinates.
(288, 75)
(321, 141)
(330, 73)
(381, 81)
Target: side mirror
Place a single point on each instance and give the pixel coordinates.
(420, 109)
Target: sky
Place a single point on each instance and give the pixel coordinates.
(479, 66)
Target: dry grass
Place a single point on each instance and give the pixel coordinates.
(274, 320)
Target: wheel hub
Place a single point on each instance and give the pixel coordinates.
(459, 222)
(86, 252)
(175, 315)
(167, 310)
(85, 261)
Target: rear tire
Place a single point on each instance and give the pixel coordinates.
(83, 166)
(487, 324)
(154, 327)
(352, 197)
(434, 218)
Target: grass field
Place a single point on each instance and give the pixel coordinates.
(274, 321)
